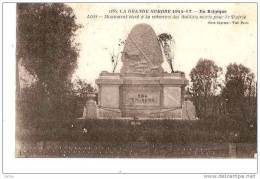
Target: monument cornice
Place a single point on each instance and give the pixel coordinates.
(109, 81)
(113, 80)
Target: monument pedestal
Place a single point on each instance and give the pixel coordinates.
(141, 96)
(142, 89)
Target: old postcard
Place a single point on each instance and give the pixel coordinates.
(136, 80)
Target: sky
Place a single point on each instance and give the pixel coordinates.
(194, 38)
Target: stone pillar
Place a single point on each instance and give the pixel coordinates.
(188, 110)
(109, 95)
(90, 109)
(232, 150)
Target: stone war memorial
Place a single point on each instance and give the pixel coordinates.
(142, 90)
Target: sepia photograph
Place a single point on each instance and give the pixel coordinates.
(133, 80)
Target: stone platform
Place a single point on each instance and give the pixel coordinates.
(141, 96)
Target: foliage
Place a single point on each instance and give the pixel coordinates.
(205, 83)
(34, 104)
(240, 91)
(167, 43)
(151, 131)
(46, 48)
(82, 88)
(239, 81)
(45, 43)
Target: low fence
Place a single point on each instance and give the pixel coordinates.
(134, 150)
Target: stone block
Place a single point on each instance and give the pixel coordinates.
(172, 96)
(108, 113)
(109, 96)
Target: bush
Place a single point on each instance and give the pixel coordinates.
(151, 131)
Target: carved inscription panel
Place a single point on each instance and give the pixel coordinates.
(142, 96)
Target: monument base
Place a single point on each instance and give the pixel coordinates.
(140, 96)
(109, 113)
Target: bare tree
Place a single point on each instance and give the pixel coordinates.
(115, 56)
(167, 43)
